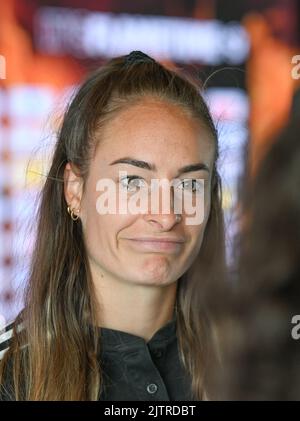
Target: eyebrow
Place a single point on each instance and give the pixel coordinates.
(200, 166)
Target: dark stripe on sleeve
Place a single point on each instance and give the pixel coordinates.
(4, 345)
(9, 327)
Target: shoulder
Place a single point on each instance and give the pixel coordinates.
(6, 336)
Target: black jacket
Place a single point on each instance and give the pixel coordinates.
(134, 369)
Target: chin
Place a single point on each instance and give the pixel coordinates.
(157, 278)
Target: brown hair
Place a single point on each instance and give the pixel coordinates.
(61, 357)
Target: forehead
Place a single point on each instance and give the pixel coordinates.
(154, 130)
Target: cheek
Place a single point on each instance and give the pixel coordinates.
(100, 235)
(196, 232)
(102, 227)
(102, 231)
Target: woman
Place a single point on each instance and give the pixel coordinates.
(108, 315)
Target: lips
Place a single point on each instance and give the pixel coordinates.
(162, 239)
(148, 244)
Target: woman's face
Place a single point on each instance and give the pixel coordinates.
(166, 138)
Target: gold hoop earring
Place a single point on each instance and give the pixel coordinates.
(71, 213)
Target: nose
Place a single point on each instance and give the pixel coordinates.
(164, 216)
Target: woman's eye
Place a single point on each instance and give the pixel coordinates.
(191, 184)
(131, 183)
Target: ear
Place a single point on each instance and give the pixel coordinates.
(73, 187)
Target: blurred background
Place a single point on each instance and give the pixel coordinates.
(247, 55)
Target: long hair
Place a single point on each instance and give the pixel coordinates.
(60, 338)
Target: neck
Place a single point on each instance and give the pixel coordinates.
(133, 308)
